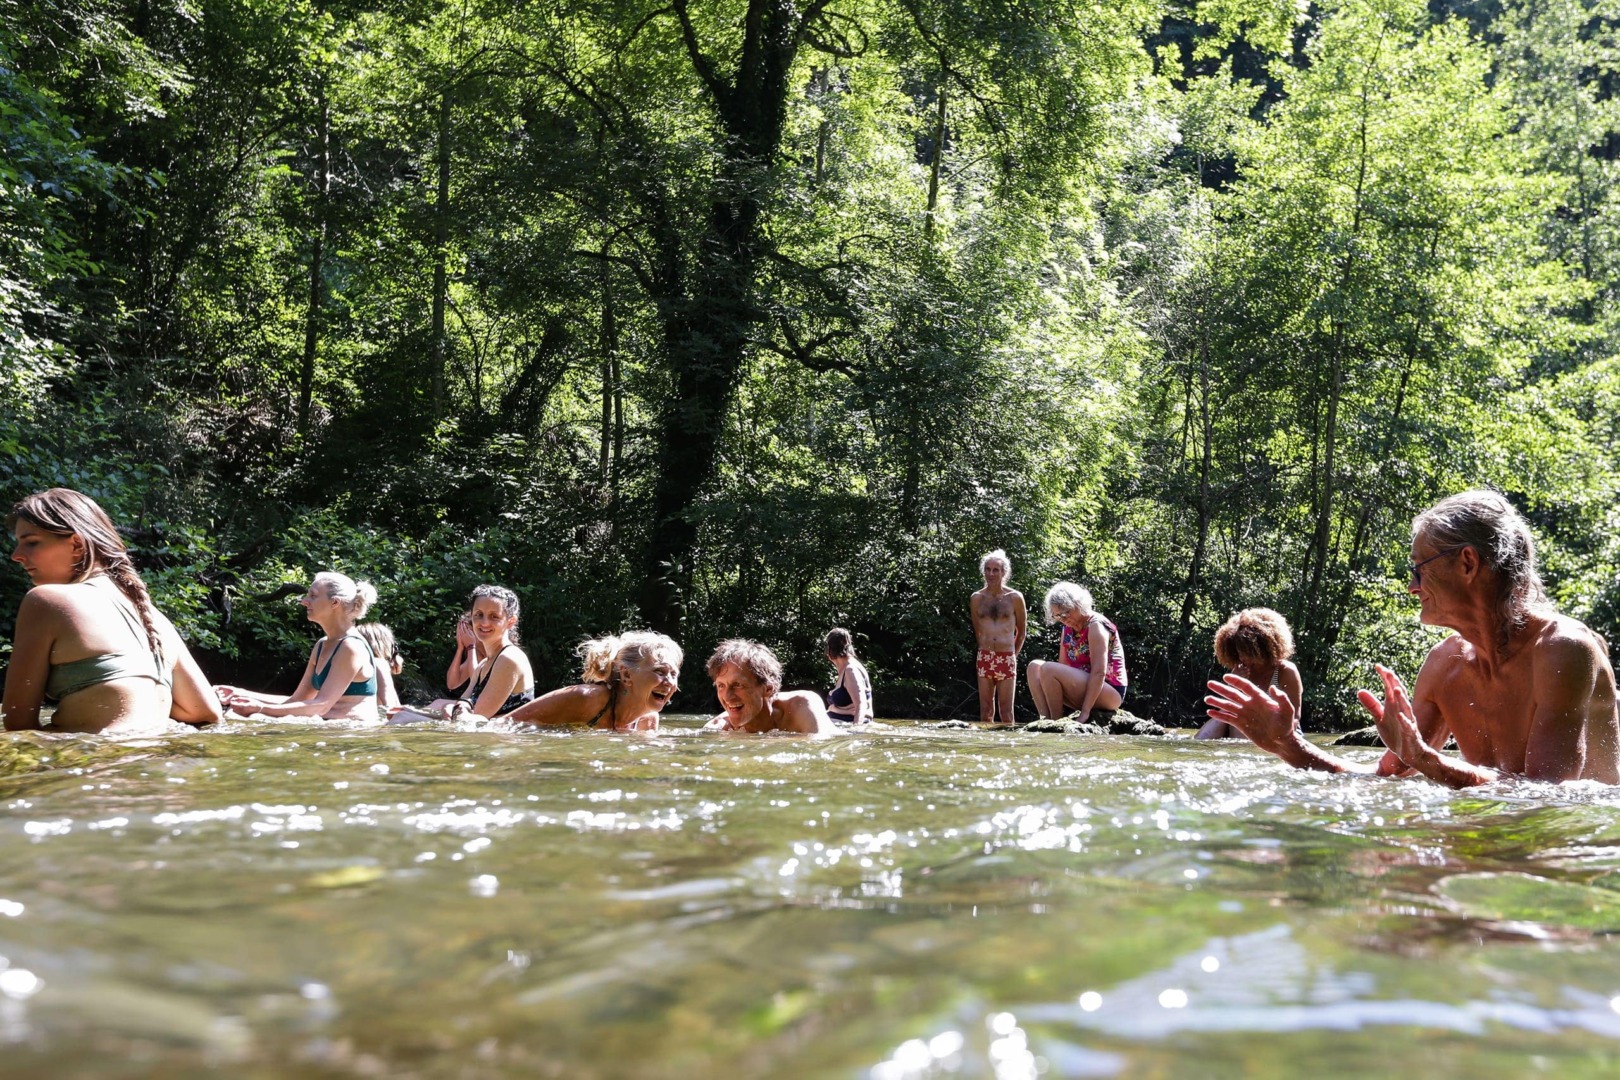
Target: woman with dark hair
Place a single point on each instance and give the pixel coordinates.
(340, 677)
(88, 637)
(502, 679)
(850, 700)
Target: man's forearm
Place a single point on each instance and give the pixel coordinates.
(1452, 772)
(1303, 754)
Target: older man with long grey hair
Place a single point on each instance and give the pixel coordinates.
(1522, 688)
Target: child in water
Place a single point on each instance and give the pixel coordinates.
(389, 663)
(1256, 643)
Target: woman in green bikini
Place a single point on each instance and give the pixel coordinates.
(88, 638)
(340, 678)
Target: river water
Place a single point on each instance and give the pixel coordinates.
(292, 900)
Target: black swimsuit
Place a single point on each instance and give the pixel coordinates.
(522, 697)
(607, 710)
(840, 699)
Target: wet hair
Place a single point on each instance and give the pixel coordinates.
(839, 643)
(997, 556)
(1258, 633)
(65, 512)
(357, 596)
(637, 649)
(1488, 523)
(749, 656)
(1067, 596)
(508, 600)
(381, 639)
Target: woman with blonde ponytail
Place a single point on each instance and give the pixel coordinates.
(628, 679)
(340, 677)
(88, 637)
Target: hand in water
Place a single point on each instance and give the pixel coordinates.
(1265, 715)
(1397, 723)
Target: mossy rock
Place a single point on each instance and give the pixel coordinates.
(1367, 736)
(1125, 722)
(1063, 726)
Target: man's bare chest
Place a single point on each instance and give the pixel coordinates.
(1489, 717)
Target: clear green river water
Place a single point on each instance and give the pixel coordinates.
(279, 901)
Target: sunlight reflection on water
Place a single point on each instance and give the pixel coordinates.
(906, 902)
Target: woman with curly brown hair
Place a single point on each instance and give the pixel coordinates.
(1256, 643)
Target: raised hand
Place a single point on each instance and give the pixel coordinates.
(1397, 722)
(1265, 715)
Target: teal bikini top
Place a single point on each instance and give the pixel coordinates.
(76, 675)
(365, 688)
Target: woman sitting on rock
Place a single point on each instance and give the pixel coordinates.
(1070, 681)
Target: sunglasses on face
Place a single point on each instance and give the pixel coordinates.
(1414, 570)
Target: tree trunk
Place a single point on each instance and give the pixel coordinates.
(1189, 599)
(609, 345)
(939, 156)
(441, 258)
(707, 330)
(317, 268)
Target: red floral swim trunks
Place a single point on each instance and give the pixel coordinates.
(996, 666)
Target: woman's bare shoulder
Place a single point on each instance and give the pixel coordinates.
(46, 605)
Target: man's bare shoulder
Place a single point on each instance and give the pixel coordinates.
(1015, 594)
(1564, 641)
(1447, 661)
(803, 711)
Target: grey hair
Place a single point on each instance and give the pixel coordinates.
(1067, 596)
(749, 656)
(1488, 523)
(999, 556)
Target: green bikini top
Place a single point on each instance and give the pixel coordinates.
(358, 688)
(76, 675)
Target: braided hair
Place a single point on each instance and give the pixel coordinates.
(65, 512)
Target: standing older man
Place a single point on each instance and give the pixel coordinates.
(1523, 689)
(748, 681)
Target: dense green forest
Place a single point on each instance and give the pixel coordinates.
(754, 317)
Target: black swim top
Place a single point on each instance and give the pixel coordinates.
(522, 697)
(841, 704)
(607, 709)
(362, 688)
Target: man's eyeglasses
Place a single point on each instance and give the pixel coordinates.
(1414, 570)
